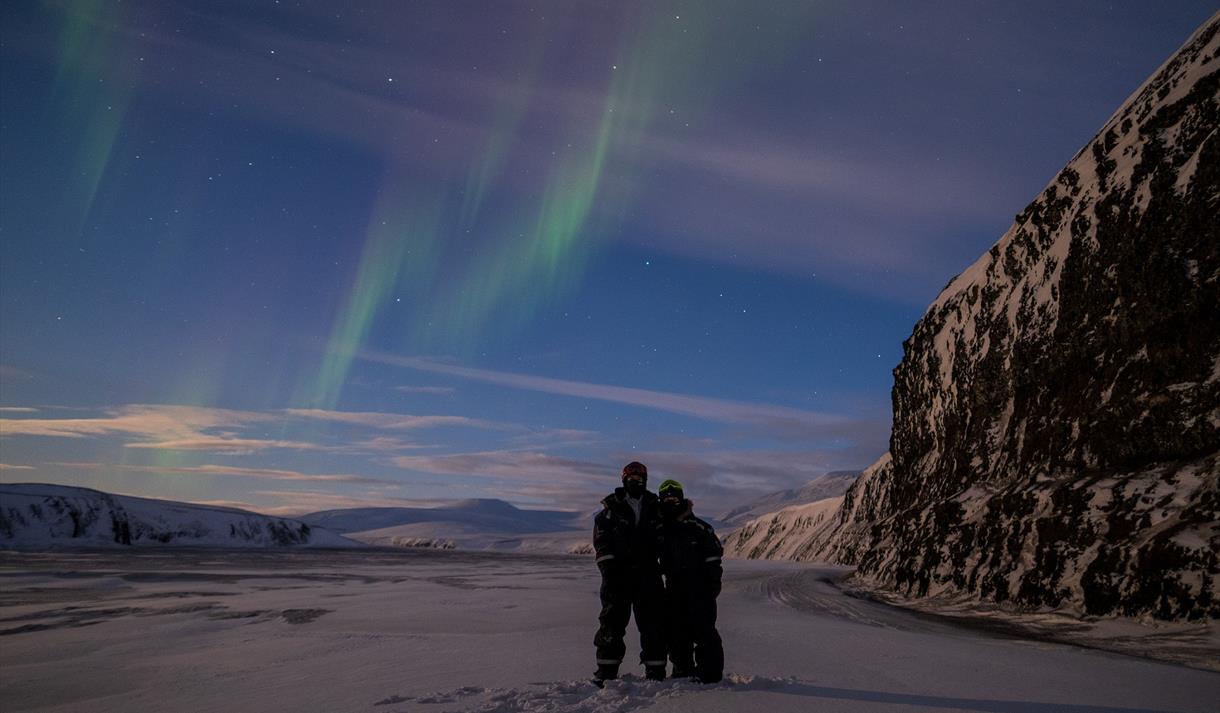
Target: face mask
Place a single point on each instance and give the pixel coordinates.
(634, 487)
(671, 509)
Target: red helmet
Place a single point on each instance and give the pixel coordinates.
(635, 468)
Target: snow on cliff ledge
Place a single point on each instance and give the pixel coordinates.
(1056, 434)
(42, 516)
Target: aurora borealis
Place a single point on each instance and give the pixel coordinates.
(303, 255)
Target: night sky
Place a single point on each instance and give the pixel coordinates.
(300, 255)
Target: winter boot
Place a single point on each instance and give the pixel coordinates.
(682, 672)
(605, 672)
(655, 673)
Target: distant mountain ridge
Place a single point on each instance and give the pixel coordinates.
(1057, 408)
(476, 524)
(829, 485)
(484, 513)
(40, 515)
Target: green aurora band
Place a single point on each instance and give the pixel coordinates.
(400, 247)
(92, 90)
(542, 252)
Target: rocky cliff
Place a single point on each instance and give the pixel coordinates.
(40, 516)
(1057, 409)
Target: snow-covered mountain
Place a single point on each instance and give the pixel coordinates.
(483, 513)
(829, 485)
(468, 524)
(39, 515)
(1057, 409)
(782, 534)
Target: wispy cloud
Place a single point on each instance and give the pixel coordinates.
(9, 372)
(521, 476)
(159, 422)
(169, 427)
(292, 502)
(319, 68)
(379, 445)
(193, 428)
(9, 466)
(390, 421)
(512, 464)
(257, 473)
(227, 444)
(17, 409)
(702, 407)
(438, 390)
(553, 437)
(808, 171)
(866, 222)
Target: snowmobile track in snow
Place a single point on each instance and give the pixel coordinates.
(814, 592)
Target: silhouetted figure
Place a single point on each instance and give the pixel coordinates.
(690, 561)
(624, 539)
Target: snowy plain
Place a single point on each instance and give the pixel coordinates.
(393, 631)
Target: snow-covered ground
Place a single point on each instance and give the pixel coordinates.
(396, 631)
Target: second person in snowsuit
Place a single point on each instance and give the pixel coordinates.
(690, 561)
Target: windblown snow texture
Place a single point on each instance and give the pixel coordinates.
(1057, 409)
(35, 516)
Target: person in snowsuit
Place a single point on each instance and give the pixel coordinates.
(624, 541)
(690, 561)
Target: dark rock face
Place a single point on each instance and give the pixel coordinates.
(1056, 436)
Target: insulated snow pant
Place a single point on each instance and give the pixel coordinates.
(621, 592)
(694, 644)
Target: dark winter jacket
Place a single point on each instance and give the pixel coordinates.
(621, 543)
(690, 554)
